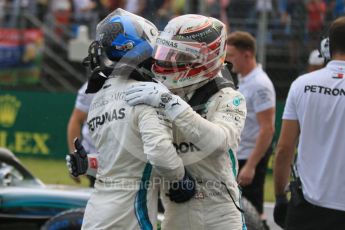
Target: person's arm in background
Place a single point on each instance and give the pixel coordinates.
(74, 126)
(78, 117)
(289, 134)
(284, 155)
(263, 141)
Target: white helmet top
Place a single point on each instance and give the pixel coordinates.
(190, 51)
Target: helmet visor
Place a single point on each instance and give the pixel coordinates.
(167, 57)
(177, 51)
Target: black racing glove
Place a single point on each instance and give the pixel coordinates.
(183, 190)
(93, 60)
(280, 210)
(99, 72)
(77, 162)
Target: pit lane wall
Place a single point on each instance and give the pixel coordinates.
(34, 123)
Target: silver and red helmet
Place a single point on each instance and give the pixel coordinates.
(190, 51)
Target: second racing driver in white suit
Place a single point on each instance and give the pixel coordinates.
(189, 55)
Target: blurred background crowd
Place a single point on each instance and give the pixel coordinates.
(286, 32)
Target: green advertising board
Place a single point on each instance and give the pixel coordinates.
(34, 123)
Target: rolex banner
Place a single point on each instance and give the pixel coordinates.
(34, 123)
(20, 56)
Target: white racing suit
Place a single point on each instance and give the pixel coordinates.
(208, 149)
(131, 140)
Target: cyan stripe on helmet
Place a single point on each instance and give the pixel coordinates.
(140, 204)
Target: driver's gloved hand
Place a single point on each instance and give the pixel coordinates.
(93, 59)
(280, 210)
(77, 162)
(99, 72)
(182, 190)
(157, 95)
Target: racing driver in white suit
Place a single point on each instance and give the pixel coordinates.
(189, 55)
(133, 142)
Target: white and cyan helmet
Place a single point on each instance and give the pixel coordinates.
(190, 51)
(126, 36)
(124, 45)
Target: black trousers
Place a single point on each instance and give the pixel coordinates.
(255, 191)
(92, 181)
(306, 216)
